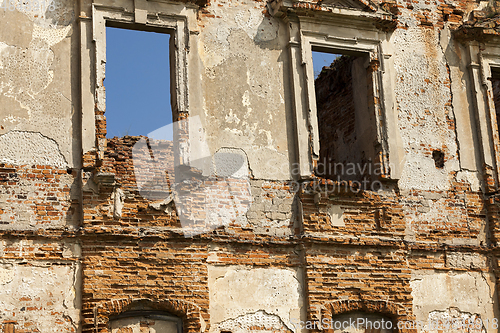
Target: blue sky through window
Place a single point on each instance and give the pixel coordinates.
(137, 82)
(322, 59)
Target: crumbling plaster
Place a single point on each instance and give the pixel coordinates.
(424, 113)
(237, 70)
(35, 75)
(269, 296)
(243, 86)
(437, 293)
(33, 294)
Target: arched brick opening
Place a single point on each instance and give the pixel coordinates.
(386, 308)
(394, 311)
(188, 312)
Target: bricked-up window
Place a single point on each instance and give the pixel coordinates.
(137, 82)
(346, 120)
(145, 321)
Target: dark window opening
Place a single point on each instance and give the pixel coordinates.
(137, 82)
(495, 82)
(346, 117)
(438, 157)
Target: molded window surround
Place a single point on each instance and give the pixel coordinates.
(484, 59)
(137, 15)
(341, 34)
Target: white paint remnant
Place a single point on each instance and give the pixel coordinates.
(6, 275)
(118, 196)
(335, 213)
(246, 98)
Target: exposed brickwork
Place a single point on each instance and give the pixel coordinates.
(96, 238)
(172, 273)
(36, 196)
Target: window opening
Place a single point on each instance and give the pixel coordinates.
(346, 119)
(137, 82)
(495, 83)
(145, 321)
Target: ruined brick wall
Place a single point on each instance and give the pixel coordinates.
(244, 242)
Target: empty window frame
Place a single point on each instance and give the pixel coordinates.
(495, 112)
(495, 84)
(346, 119)
(137, 82)
(366, 52)
(93, 38)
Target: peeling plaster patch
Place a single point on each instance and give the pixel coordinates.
(239, 295)
(118, 196)
(53, 287)
(27, 71)
(420, 173)
(424, 114)
(453, 316)
(268, 164)
(231, 162)
(250, 21)
(471, 177)
(465, 260)
(166, 205)
(72, 250)
(243, 66)
(30, 149)
(3, 46)
(336, 215)
(247, 323)
(6, 274)
(57, 13)
(471, 292)
(34, 99)
(51, 36)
